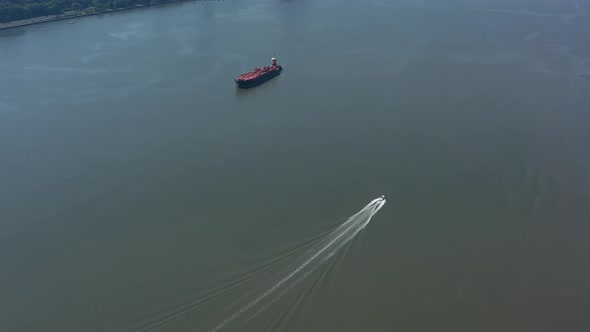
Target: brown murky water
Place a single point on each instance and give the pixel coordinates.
(140, 191)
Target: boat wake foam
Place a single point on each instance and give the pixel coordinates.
(308, 263)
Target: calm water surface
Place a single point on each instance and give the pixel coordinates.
(136, 181)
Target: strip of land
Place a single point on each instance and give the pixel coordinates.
(71, 14)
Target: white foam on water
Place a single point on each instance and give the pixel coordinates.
(313, 258)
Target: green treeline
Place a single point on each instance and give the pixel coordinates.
(16, 10)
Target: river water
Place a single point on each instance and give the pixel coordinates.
(140, 191)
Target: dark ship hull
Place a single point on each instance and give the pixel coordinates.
(246, 84)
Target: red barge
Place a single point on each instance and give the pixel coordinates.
(259, 75)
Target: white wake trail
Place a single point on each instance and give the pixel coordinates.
(325, 250)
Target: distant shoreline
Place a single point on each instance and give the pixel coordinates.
(52, 18)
